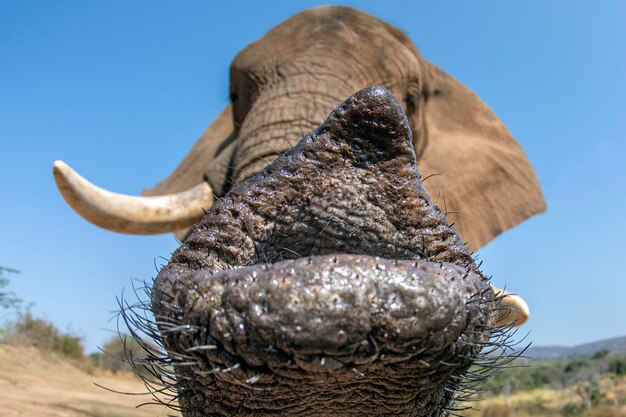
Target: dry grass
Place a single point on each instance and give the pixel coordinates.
(568, 402)
(35, 383)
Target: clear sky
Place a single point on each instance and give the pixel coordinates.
(121, 90)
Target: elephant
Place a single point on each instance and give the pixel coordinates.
(317, 274)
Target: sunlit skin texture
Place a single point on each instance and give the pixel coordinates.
(326, 284)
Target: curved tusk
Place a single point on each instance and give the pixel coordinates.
(513, 309)
(131, 214)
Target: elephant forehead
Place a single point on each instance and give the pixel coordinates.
(334, 34)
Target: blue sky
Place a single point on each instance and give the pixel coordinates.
(121, 91)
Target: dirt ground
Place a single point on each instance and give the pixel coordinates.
(35, 384)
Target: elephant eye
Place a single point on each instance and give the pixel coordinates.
(233, 96)
(411, 102)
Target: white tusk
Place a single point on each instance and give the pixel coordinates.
(513, 309)
(132, 214)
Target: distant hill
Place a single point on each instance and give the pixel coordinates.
(616, 344)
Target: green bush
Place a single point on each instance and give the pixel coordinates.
(7, 299)
(576, 365)
(557, 374)
(573, 410)
(618, 367)
(31, 331)
(118, 353)
(601, 354)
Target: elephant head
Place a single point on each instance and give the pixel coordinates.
(325, 281)
(284, 84)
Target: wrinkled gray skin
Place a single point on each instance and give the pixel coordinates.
(326, 284)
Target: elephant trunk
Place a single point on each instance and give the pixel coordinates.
(281, 115)
(292, 300)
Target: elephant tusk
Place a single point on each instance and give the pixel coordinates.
(132, 214)
(513, 309)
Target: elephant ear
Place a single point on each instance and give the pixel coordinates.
(474, 169)
(208, 154)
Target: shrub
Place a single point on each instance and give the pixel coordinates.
(601, 354)
(7, 299)
(577, 364)
(31, 331)
(618, 367)
(573, 410)
(122, 354)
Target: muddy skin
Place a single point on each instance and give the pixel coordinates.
(328, 284)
